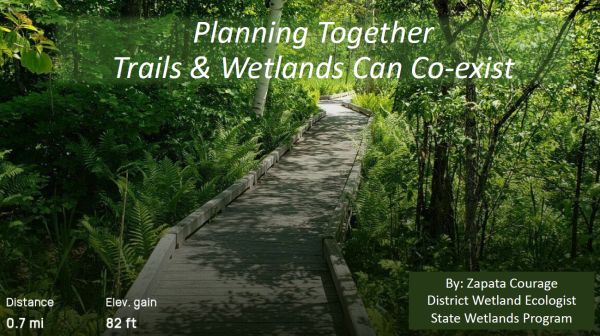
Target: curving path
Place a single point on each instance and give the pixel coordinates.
(257, 267)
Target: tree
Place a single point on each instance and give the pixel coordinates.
(477, 170)
(503, 122)
(262, 87)
(580, 165)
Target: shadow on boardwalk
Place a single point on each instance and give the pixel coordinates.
(257, 268)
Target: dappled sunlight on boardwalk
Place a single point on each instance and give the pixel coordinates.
(257, 268)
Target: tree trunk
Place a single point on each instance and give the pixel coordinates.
(423, 157)
(471, 177)
(441, 215)
(472, 196)
(370, 82)
(146, 8)
(348, 66)
(187, 28)
(484, 221)
(581, 161)
(594, 212)
(262, 88)
(19, 77)
(133, 9)
(76, 54)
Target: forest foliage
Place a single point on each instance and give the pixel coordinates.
(93, 171)
(457, 175)
(478, 174)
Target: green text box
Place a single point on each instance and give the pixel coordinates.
(501, 300)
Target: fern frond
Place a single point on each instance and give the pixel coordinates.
(143, 233)
(90, 158)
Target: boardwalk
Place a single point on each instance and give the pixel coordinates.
(257, 268)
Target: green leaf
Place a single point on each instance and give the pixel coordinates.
(29, 27)
(11, 18)
(16, 224)
(595, 190)
(36, 62)
(47, 44)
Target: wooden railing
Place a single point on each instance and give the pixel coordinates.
(172, 240)
(355, 314)
(338, 96)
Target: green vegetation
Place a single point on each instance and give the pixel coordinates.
(478, 175)
(459, 174)
(92, 172)
(21, 40)
(323, 87)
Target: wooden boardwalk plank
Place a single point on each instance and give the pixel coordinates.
(257, 268)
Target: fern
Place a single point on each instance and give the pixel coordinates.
(109, 146)
(277, 127)
(113, 252)
(91, 159)
(168, 188)
(18, 188)
(105, 158)
(120, 255)
(143, 232)
(379, 104)
(227, 157)
(9, 171)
